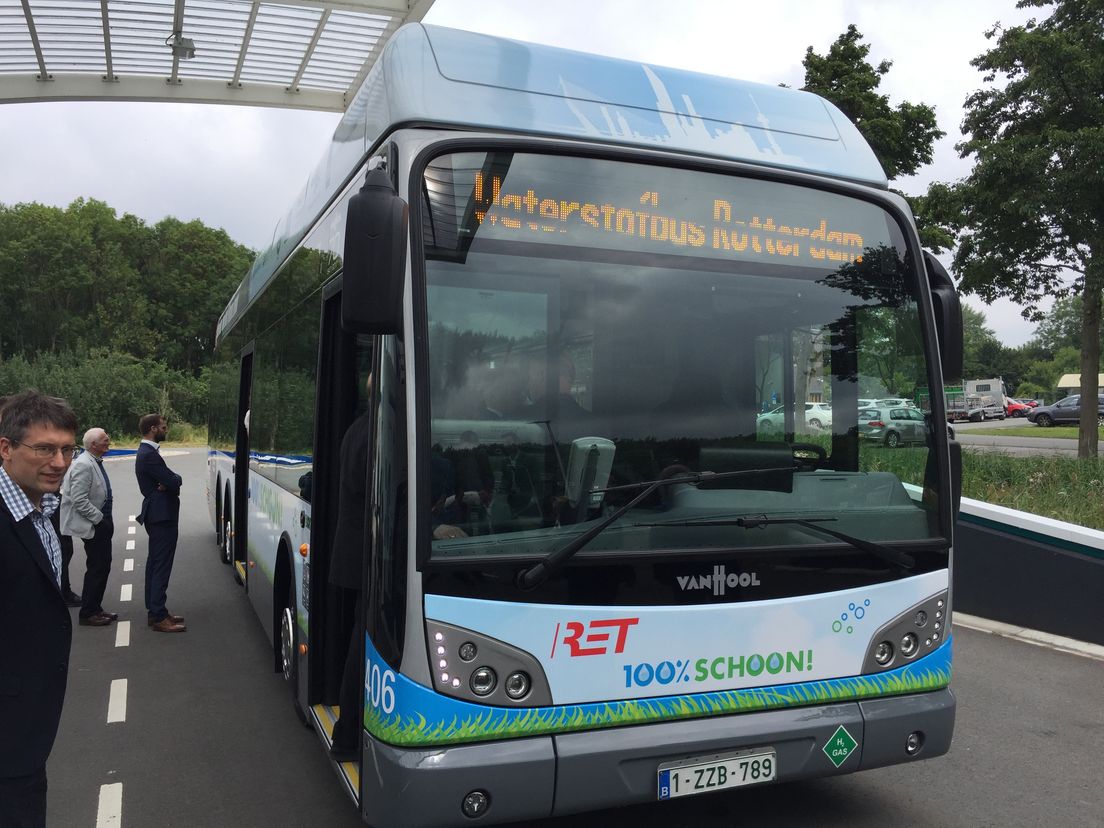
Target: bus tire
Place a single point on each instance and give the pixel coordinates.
(226, 534)
(289, 647)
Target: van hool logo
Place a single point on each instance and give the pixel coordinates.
(718, 580)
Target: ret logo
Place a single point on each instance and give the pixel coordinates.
(596, 633)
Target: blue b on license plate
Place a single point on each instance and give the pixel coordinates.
(715, 773)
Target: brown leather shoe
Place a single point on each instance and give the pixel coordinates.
(179, 619)
(93, 621)
(110, 616)
(166, 624)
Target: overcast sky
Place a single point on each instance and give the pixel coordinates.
(239, 168)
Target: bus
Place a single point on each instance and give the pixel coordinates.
(550, 293)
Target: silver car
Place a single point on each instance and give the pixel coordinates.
(893, 426)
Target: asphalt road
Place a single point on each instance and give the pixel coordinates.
(1018, 446)
(208, 736)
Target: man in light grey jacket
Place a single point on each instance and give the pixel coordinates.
(86, 513)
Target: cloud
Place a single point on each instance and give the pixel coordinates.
(238, 168)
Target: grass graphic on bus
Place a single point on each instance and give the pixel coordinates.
(437, 720)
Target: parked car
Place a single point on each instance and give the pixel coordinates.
(889, 402)
(894, 426)
(818, 416)
(1066, 410)
(1015, 408)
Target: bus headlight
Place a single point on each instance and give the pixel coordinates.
(483, 681)
(517, 685)
(883, 653)
(909, 645)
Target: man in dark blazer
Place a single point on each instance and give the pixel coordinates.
(159, 515)
(36, 446)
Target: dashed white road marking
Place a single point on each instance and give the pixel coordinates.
(124, 593)
(109, 813)
(132, 530)
(130, 546)
(122, 634)
(116, 703)
(132, 518)
(128, 565)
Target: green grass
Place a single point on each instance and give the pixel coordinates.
(1061, 432)
(1055, 486)
(1063, 488)
(498, 724)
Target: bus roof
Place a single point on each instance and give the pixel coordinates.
(434, 75)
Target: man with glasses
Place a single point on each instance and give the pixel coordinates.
(86, 513)
(36, 447)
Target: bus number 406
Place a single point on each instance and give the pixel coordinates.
(379, 687)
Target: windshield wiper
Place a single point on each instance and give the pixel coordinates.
(886, 553)
(539, 573)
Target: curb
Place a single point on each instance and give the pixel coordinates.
(1039, 639)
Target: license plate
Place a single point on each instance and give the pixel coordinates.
(715, 773)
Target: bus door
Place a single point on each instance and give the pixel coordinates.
(339, 507)
(237, 530)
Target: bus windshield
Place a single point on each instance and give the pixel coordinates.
(596, 324)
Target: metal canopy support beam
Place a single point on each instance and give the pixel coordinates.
(28, 15)
(110, 76)
(246, 37)
(307, 55)
(76, 87)
(178, 26)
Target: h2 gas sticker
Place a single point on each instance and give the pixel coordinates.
(594, 653)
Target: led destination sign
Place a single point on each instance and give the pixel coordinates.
(811, 230)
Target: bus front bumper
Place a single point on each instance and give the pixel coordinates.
(525, 779)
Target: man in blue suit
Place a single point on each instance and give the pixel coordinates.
(36, 447)
(160, 514)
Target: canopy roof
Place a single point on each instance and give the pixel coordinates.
(298, 54)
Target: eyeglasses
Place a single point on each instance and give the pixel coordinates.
(44, 452)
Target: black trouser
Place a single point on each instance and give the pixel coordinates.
(23, 800)
(162, 550)
(98, 550)
(346, 732)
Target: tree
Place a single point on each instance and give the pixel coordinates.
(902, 138)
(980, 346)
(1031, 213)
(1061, 327)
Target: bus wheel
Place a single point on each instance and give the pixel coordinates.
(225, 542)
(289, 648)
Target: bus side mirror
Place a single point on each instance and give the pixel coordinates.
(948, 317)
(375, 258)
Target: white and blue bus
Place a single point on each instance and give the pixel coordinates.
(556, 293)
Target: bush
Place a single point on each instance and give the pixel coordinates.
(110, 389)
